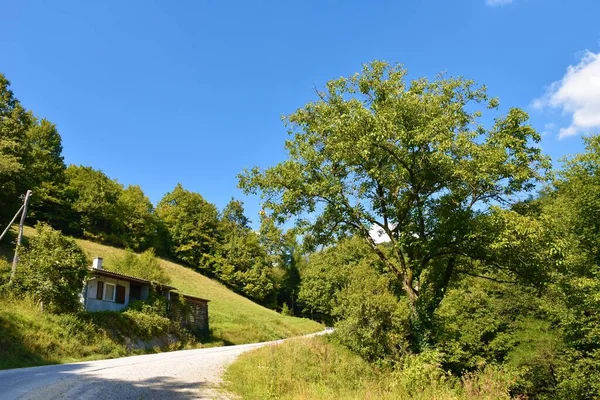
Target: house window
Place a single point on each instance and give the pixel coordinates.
(109, 292)
(120, 296)
(99, 290)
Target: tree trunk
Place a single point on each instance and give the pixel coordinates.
(412, 294)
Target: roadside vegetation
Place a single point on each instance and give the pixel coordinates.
(30, 337)
(319, 368)
(453, 261)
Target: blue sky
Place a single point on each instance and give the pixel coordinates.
(155, 92)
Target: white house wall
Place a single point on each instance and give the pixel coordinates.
(94, 304)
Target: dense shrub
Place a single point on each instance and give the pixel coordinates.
(326, 273)
(477, 321)
(51, 270)
(574, 307)
(483, 324)
(371, 320)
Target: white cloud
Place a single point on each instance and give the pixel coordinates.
(576, 94)
(548, 129)
(378, 235)
(496, 3)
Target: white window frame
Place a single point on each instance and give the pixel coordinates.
(114, 292)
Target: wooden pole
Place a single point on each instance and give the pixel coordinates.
(20, 236)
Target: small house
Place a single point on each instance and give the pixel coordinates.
(112, 291)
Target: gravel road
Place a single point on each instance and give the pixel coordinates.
(185, 374)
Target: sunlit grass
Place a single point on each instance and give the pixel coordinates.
(316, 368)
(29, 337)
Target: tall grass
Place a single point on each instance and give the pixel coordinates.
(316, 368)
(29, 337)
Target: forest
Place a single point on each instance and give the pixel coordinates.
(83, 202)
(428, 228)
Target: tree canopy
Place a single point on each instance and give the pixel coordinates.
(192, 225)
(412, 159)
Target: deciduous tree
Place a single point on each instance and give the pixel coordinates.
(95, 201)
(139, 222)
(192, 224)
(412, 159)
(14, 123)
(240, 259)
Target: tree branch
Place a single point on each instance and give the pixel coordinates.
(485, 277)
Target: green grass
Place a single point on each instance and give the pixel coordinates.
(318, 368)
(29, 337)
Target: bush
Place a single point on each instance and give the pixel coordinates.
(154, 304)
(51, 269)
(285, 310)
(574, 305)
(372, 321)
(475, 325)
(537, 357)
(416, 373)
(326, 273)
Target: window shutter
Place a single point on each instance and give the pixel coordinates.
(100, 290)
(120, 298)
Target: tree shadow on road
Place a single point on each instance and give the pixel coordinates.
(91, 387)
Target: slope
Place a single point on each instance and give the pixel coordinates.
(233, 318)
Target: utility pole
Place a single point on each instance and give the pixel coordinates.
(20, 236)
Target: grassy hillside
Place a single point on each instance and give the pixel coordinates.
(29, 337)
(233, 318)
